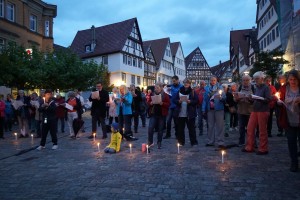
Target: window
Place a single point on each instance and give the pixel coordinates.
(132, 79)
(138, 80)
(268, 40)
(134, 62)
(10, 12)
(124, 77)
(47, 28)
(32, 23)
(87, 48)
(129, 60)
(1, 8)
(105, 60)
(125, 59)
(273, 34)
(277, 31)
(140, 64)
(265, 42)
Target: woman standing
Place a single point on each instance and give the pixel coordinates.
(289, 117)
(113, 106)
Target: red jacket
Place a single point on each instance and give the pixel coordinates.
(2, 108)
(200, 92)
(60, 110)
(273, 99)
(164, 107)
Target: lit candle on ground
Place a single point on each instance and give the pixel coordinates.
(98, 144)
(94, 135)
(223, 152)
(31, 137)
(16, 136)
(178, 145)
(130, 147)
(147, 146)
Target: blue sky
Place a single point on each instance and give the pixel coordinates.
(203, 23)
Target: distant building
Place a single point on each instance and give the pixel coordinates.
(178, 60)
(222, 71)
(27, 23)
(119, 46)
(197, 68)
(161, 49)
(150, 65)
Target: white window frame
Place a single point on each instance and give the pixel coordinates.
(1, 8)
(33, 23)
(47, 28)
(10, 9)
(138, 80)
(132, 79)
(124, 77)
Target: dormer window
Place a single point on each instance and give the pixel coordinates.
(88, 48)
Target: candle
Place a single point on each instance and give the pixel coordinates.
(98, 144)
(31, 137)
(282, 84)
(220, 92)
(130, 148)
(16, 136)
(178, 145)
(94, 135)
(277, 94)
(147, 146)
(223, 152)
(44, 99)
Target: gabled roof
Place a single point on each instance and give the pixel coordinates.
(189, 58)
(57, 47)
(220, 69)
(109, 38)
(174, 48)
(272, 2)
(158, 48)
(146, 47)
(239, 39)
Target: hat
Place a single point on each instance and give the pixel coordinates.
(115, 126)
(48, 91)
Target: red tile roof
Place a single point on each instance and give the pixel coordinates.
(109, 38)
(158, 48)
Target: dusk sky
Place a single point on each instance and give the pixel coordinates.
(192, 22)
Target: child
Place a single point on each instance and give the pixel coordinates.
(115, 140)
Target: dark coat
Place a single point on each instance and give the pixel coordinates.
(191, 107)
(98, 108)
(49, 112)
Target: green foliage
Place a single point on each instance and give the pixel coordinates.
(61, 69)
(269, 62)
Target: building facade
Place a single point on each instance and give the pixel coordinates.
(197, 68)
(27, 23)
(119, 46)
(222, 71)
(150, 66)
(178, 60)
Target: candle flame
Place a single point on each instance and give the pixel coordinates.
(277, 94)
(178, 144)
(98, 144)
(220, 92)
(130, 145)
(15, 134)
(282, 84)
(223, 152)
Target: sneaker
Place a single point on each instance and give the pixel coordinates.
(54, 147)
(131, 138)
(40, 148)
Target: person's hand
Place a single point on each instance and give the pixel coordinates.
(297, 101)
(188, 101)
(279, 102)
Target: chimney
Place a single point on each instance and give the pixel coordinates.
(93, 44)
(220, 62)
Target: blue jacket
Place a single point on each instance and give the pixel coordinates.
(218, 103)
(174, 92)
(126, 105)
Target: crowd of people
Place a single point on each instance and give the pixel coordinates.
(247, 107)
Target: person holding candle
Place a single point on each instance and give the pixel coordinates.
(124, 111)
(135, 106)
(115, 139)
(49, 120)
(281, 82)
(98, 109)
(213, 107)
(157, 113)
(259, 116)
(113, 106)
(268, 81)
(187, 112)
(289, 115)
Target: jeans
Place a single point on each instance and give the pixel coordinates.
(96, 119)
(260, 119)
(23, 124)
(243, 121)
(277, 110)
(233, 120)
(292, 133)
(190, 122)
(38, 124)
(8, 122)
(125, 121)
(49, 126)
(169, 122)
(136, 116)
(62, 124)
(154, 122)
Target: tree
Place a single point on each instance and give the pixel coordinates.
(269, 62)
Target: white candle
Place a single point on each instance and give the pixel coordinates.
(94, 135)
(178, 145)
(98, 146)
(44, 99)
(130, 148)
(277, 94)
(147, 148)
(223, 152)
(31, 137)
(220, 92)
(16, 136)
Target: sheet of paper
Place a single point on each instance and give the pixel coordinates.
(257, 97)
(167, 91)
(36, 104)
(95, 95)
(184, 98)
(156, 99)
(68, 106)
(17, 104)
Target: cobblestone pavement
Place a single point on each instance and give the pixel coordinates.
(76, 170)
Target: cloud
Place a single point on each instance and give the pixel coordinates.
(192, 22)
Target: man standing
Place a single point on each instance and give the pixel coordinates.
(200, 92)
(171, 115)
(98, 109)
